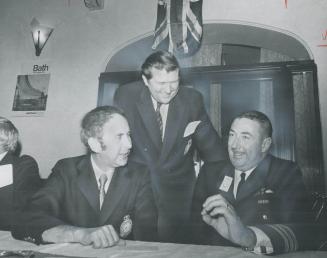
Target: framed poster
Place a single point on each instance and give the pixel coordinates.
(31, 92)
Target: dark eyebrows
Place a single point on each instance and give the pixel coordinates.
(165, 82)
(246, 133)
(242, 133)
(121, 134)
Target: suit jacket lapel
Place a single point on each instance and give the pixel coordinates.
(7, 159)
(87, 183)
(117, 189)
(148, 115)
(175, 119)
(256, 180)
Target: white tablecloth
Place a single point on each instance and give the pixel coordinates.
(138, 249)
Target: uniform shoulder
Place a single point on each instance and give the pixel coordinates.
(284, 173)
(282, 163)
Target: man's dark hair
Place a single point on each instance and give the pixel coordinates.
(159, 60)
(93, 122)
(261, 118)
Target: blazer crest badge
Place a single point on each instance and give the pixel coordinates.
(126, 226)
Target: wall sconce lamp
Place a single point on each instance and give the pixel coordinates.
(40, 35)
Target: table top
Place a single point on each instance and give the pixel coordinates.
(138, 249)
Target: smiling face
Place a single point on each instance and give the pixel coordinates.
(116, 142)
(163, 85)
(247, 143)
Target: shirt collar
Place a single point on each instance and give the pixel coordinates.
(247, 172)
(98, 171)
(155, 103)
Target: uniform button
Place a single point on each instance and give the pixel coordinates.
(265, 217)
(145, 149)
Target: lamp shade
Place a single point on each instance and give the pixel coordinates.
(40, 35)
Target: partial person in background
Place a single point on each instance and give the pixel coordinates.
(97, 198)
(19, 176)
(254, 199)
(168, 124)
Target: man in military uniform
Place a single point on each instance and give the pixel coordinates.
(236, 202)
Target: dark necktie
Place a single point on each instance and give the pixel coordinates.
(159, 118)
(242, 181)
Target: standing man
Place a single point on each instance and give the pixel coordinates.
(97, 198)
(19, 176)
(168, 123)
(237, 202)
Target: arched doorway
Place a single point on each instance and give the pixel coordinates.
(240, 67)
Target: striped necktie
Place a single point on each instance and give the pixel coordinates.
(102, 192)
(159, 119)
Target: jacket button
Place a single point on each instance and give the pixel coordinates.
(265, 217)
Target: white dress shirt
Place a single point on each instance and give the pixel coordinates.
(237, 178)
(98, 172)
(262, 239)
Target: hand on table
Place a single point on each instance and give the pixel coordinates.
(100, 237)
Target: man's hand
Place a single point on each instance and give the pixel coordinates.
(220, 214)
(100, 237)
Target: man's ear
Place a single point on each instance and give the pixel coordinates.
(145, 80)
(266, 143)
(94, 144)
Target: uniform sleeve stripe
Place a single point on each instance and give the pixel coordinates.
(287, 235)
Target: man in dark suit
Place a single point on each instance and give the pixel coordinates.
(20, 177)
(168, 123)
(237, 202)
(98, 198)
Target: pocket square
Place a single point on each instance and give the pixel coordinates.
(190, 128)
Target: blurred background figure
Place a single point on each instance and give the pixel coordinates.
(19, 175)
